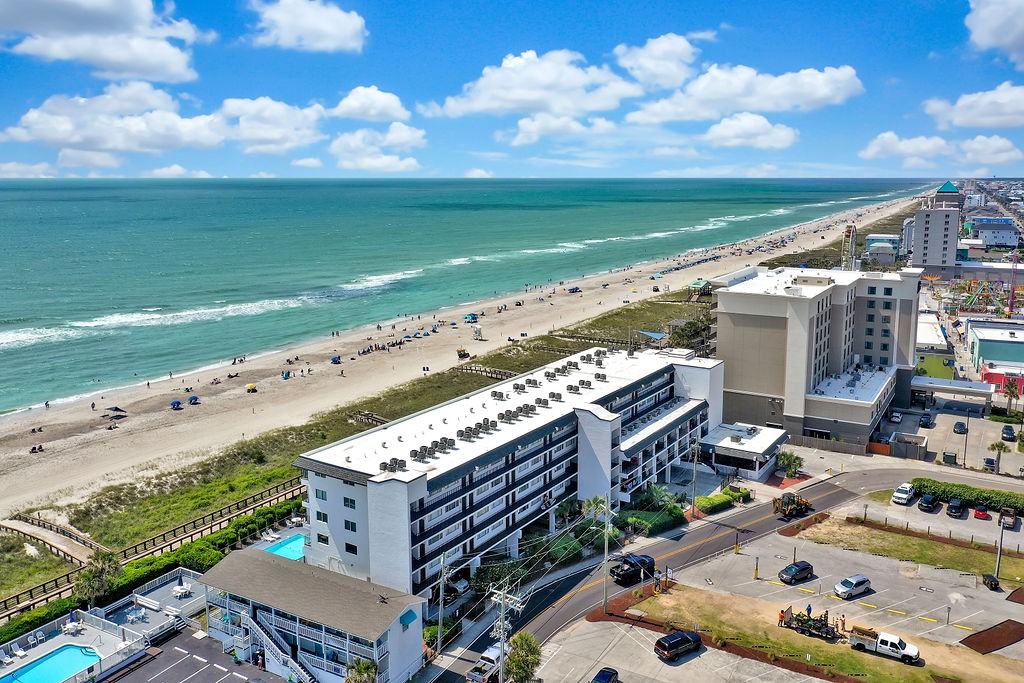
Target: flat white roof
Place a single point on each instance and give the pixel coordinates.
(923, 382)
(998, 334)
(364, 452)
(864, 386)
(797, 282)
(929, 332)
(757, 442)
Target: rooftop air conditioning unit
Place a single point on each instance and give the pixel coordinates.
(599, 363)
(736, 438)
(384, 467)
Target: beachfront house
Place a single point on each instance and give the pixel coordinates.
(307, 623)
(467, 477)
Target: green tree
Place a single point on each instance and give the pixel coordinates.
(595, 507)
(998, 448)
(1012, 392)
(522, 658)
(362, 671)
(789, 461)
(103, 568)
(568, 509)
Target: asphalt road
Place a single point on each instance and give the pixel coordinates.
(568, 599)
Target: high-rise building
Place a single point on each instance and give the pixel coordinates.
(935, 233)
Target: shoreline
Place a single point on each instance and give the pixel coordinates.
(153, 438)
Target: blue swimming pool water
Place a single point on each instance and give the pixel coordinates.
(62, 663)
(290, 547)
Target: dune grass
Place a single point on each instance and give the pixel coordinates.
(19, 570)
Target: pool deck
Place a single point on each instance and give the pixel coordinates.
(285, 534)
(105, 645)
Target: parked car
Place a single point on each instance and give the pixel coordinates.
(960, 428)
(896, 418)
(798, 571)
(981, 512)
(606, 675)
(955, 508)
(926, 421)
(1008, 433)
(927, 503)
(852, 586)
(989, 464)
(903, 494)
(676, 643)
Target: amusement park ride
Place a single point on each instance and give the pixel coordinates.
(982, 296)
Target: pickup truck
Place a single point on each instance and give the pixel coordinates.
(486, 668)
(632, 568)
(884, 644)
(1008, 518)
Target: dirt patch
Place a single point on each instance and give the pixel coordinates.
(785, 482)
(903, 531)
(794, 529)
(1002, 634)
(1017, 596)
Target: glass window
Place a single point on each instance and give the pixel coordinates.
(884, 346)
(321, 494)
(869, 345)
(322, 539)
(872, 290)
(350, 503)
(321, 516)
(887, 305)
(867, 359)
(883, 360)
(350, 525)
(869, 332)
(888, 291)
(871, 304)
(351, 549)
(870, 317)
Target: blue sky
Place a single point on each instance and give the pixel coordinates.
(361, 88)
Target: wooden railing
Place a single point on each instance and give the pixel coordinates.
(75, 536)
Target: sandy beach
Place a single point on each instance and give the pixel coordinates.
(81, 454)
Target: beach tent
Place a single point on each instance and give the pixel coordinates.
(193, 400)
(336, 360)
(656, 336)
(408, 336)
(175, 405)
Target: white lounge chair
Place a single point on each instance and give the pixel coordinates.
(7, 658)
(275, 536)
(21, 654)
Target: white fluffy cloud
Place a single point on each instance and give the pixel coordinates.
(479, 173)
(750, 130)
(722, 90)
(364, 149)
(78, 158)
(999, 25)
(308, 25)
(17, 169)
(916, 152)
(555, 82)
(662, 62)
(264, 125)
(999, 108)
(370, 103)
(993, 149)
(130, 117)
(175, 171)
(533, 128)
(123, 39)
(308, 162)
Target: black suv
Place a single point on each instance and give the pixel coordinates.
(1008, 433)
(676, 643)
(606, 675)
(955, 508)
(798, 571)
(927, 503)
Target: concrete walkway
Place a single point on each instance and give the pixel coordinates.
(49, 538)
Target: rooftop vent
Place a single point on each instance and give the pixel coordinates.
(599, 363)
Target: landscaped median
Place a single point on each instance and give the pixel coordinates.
(971, 496)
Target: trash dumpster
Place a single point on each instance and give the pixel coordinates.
(948, 457)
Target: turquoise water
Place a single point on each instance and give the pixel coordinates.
(56, 666)
(112, 282)
(291, 547)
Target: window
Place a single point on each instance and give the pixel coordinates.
(346, 482)
(350, 525)
(869, 332)
(322, 539)
(867, 359)
(886, 318)
(872, 290)
(321, 494)
(886, 334)
(318, 474)
(869, 345)
(870, 318)
(350, 503)
(887, 291)
(351, 549)
(887, 305)
(883, 360)
(871, 304)
(321, 516)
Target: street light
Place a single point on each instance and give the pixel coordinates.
(966, 432)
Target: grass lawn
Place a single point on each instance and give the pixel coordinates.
(751, 622)
(650, 316)
(20, 571)
(883, 496)
(923, 551)
(934, 366)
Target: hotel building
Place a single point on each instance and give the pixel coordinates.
(936, 231)
(465, 478)
(815, 352)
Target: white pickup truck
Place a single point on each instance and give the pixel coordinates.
(486, 668)
(884, 644)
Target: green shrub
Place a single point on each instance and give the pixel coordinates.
(649, 522)
(27, 622)
(565, 549)
(712, 504)
(739, 496)
(789, 461)
(1003, 419)
(640, 526)
(970, 495)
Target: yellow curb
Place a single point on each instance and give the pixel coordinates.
(867, 604)
(966, 628)
(775, 583)
(806, 590)
(934, 621)
(834, 597)
(896, 611)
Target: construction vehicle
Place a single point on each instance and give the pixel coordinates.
(486, 668)
(810, 626)
(866, 639)
(1008, 518)
(790, 505)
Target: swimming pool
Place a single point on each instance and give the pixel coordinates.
(290, 547)
(62, 663)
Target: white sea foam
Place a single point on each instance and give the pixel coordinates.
(29, 336)
(459, 261)
(383, 280)
(160, 308)
(188, 316)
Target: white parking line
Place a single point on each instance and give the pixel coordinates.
(199, 658)
(168, 668)
(218, 666)
(196, 673)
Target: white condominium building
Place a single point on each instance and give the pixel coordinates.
(815, 352)
(935, 233)
(466, 477)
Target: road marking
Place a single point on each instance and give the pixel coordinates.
(934, 621)
(966, 628)
(200, 659)
(834, 597)
(867, 604)
(180, 650)
(807, 590)
(196, 673)
(168, 668)
(218, 666)
(896, 611)
(775, 583)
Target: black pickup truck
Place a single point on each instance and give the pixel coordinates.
(632, 568)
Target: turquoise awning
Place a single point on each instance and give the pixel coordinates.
(408, 618)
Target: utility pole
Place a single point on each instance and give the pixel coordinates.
(506, 600)
(694, 450)
(999, 550)
(607, 528)
(440, 604)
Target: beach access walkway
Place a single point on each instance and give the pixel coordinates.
(56, 542)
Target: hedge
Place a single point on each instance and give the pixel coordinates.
(741, 495)
(711, 504)
(970, 495)
(648, 522)
(26, 622)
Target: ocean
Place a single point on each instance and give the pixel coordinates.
(112, 282)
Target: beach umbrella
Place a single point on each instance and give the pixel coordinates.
(408, 336)
(250, 386)
(454, 324)
(180, 582)
(426, 334)
(175, 404)
(115, 409)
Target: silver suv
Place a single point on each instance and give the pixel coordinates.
(852, 586)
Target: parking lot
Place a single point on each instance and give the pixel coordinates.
(578, 652)
(185, 658)
(910, 599)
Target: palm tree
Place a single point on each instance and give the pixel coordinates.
(595, 507)
(1012, 392)
(998, 448)
(99, 574)
(362, 671)
(567, 509)
(660, 495)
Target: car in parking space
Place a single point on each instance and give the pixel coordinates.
(903, 494)
(981, 512)
(896, 418)
(1008, 433)
(955, 508)
(606, 675)
(988, 464)
(798, 571)
(960, 428)
(927, 503)
(677, 643)
(926, 421)
(852, 586)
